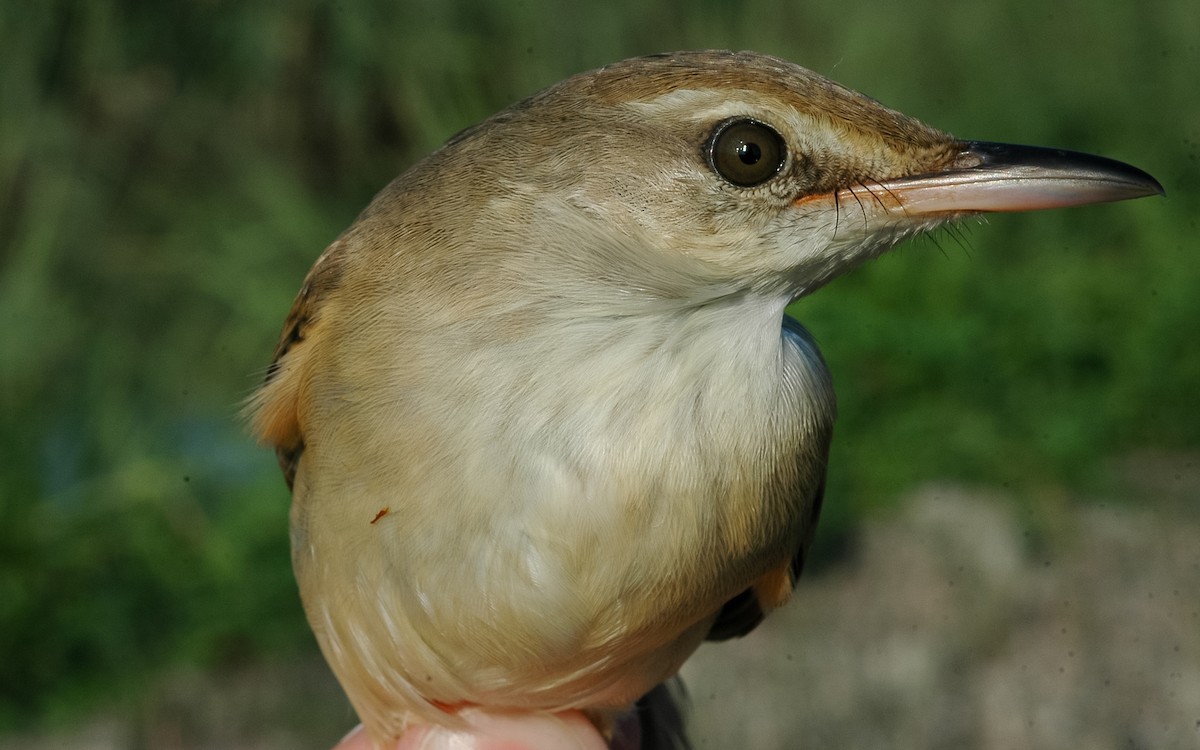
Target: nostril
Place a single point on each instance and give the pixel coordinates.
(967, 159)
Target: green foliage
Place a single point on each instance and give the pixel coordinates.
(168, 171)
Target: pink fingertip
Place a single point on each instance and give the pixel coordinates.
(508, 731)
(355, 739)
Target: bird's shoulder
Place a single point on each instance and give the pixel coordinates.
(275, 409)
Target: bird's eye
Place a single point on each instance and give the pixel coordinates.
(746, 152)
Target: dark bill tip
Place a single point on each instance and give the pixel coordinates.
(1005, 177)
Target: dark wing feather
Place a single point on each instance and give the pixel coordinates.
(744, 612)
(276, 406)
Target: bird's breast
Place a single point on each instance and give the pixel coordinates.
(608, 494)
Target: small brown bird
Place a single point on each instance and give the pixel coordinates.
(546, 424)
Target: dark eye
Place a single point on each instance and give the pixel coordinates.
(746, 152)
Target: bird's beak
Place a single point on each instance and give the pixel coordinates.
(988, 177)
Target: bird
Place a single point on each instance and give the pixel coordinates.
(546, 424)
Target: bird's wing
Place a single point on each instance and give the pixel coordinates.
(660, 715)
(744, 612)
(276, 407)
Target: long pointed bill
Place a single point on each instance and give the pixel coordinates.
(1004, 177)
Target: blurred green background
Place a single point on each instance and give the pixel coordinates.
(169, 170)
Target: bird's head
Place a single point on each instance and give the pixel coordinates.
(697, 175)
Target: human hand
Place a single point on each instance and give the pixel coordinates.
(569, 730)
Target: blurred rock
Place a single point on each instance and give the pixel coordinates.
(952, 629)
